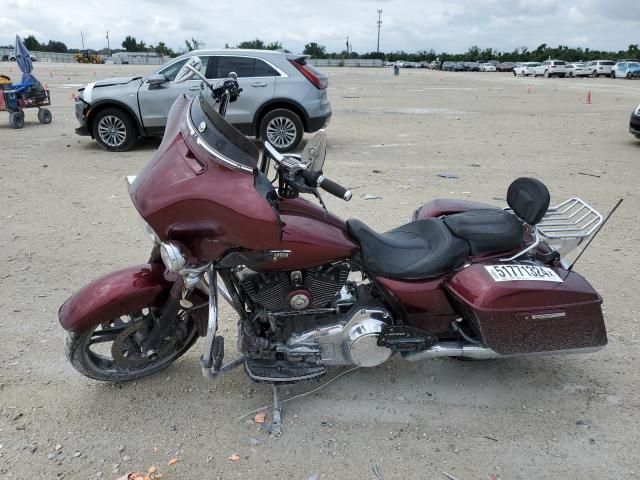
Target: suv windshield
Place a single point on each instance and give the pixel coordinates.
(223, 141)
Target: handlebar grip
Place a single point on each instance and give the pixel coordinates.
(334, 189)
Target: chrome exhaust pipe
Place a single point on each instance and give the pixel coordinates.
(453, 349)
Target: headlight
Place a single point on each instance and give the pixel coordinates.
(637, 112)
(172, 257)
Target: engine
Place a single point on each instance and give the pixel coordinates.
(297, 290)
(315, 316)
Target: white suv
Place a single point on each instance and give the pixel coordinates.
(551, 68)
(600, 67)
(524, 69)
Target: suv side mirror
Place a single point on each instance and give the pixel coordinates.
(157, 79)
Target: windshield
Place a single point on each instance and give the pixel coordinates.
(219, 138)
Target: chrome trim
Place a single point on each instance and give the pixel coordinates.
(130, 179)
(212, 323)
(526, 250)
(573, 218)
(480, 352)
(172, 257)
(225, 160)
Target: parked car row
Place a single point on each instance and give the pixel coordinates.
(597, 68)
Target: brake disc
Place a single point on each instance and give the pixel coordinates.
(126, 349)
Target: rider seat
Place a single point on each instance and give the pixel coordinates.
(487, 230)
(432, 247)
(420, 249)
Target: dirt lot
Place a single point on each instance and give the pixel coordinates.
(67, 219)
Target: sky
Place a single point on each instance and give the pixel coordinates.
(411, 25)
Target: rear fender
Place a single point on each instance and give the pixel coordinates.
(114, 294)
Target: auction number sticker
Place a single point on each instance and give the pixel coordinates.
(509, 273)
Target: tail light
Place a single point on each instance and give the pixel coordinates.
(310, 73)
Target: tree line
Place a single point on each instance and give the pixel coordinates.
(315, 50)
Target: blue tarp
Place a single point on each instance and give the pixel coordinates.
(23, 59)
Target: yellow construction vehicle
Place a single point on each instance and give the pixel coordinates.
(88, 56)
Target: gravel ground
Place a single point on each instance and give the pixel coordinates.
(67, 219)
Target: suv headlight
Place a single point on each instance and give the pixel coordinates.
(637, 112)
(172, 257)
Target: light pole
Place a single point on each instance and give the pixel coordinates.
(379, 24)
(108, 45)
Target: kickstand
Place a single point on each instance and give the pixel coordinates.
(276, 423)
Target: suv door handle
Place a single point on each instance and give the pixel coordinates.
(258, 84)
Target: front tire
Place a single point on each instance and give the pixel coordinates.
(282, 128)
(115, 130)
(122, 359)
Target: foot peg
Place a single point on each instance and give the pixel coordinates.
(281, 371)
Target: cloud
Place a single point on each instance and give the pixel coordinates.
(442, 25)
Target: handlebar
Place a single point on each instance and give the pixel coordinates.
(312, 179)
(327, 185)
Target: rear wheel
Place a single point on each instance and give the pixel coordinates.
(115, 130)
(112, 350)
(44, 116)
(282, 128)
(16, 119)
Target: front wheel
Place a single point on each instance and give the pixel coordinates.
(282, 128)
(112, 351)
(115, 130)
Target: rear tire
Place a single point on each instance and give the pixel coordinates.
(44, 116)
(16, 119)
(283, 129)
(115, 130)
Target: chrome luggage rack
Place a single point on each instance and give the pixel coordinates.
(568, 224)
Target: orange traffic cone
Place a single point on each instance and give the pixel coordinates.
(588, 102)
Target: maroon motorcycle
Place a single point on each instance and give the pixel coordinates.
(463, 279)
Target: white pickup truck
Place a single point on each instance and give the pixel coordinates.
(551, 68)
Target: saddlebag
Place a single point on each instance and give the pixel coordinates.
(525, 307)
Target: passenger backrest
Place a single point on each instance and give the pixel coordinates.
(529, 199)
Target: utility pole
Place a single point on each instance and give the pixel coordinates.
(379, 24)
(82, 36)
(108, 45)
(347, 47)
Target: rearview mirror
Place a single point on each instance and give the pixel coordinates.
(315, 152)
(187, 71)
(157, 79)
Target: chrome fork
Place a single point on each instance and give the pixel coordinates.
(211, 360)
(212, 322)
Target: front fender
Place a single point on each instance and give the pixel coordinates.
(115, 294)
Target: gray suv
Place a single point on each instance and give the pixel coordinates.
(282, 97)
